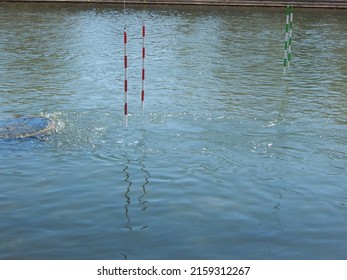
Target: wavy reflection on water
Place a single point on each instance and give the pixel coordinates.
(133, 219)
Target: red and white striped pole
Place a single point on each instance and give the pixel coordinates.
(125, 78)
(143, 65)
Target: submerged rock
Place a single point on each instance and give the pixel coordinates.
(25, 126)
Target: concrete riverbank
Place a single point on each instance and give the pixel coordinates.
(261, 3)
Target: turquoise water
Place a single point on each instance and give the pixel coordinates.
(230, 159)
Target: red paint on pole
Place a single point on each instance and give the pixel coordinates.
(143, 52)
(143, 74)
(125, 61)
(125, 37)
(143, 95)
(125, 86)
(125, 108)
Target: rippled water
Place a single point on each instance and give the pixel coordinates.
(229, 160)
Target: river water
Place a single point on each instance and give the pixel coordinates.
(230, 159)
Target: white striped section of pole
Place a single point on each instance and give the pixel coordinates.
(125, 79)
(143, 65)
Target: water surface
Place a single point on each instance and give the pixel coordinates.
(230, 159)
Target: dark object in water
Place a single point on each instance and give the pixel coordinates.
(25, 126)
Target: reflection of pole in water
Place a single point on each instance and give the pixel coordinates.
(141, 199)
(271, 226)
(147, 176)
(127, 197)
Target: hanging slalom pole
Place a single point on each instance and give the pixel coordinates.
(288, 38)
(125, 79)
(143, 66)
(290, 34)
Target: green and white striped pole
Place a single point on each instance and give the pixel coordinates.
(290, 34)
(288, 37)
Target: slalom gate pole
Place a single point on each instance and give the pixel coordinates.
(143, 66)
(288, 38)
(125, 79)
(291, 10)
